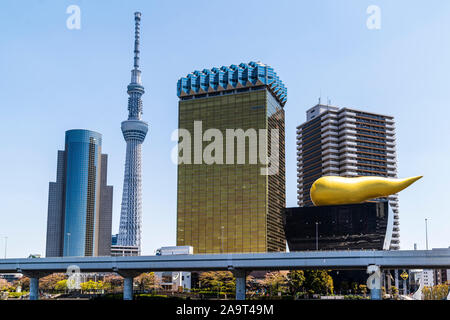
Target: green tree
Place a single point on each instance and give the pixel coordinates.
(92, 286)
(438, 292)
(354, 287)
(295, 279)
(319, 282)
(394, 291)
(442, 291)
(427, 293)
(87, 286)
(61, 285)
(217, 281)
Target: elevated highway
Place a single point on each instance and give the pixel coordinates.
(239, 263)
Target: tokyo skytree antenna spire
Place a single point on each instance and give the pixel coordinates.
(137, 31)
(134, 131)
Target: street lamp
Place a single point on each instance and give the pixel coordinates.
(68, 244)
(6, 243)
(426, 232)
(221, 238)
(317, 236)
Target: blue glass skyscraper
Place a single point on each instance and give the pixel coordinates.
(80, 202)
(82, 191)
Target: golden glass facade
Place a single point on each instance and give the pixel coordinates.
(232, 207)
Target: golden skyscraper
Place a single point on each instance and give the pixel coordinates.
(232, 206)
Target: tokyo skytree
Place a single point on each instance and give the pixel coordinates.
(134, 131)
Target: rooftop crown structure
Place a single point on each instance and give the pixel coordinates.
(233, 77)
(134, 131)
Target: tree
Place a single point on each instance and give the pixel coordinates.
(209, 280)
(49, 282)
(251, 283)
(394, 291)
(427, 293)
(295, 279)
(23, 282)
(438, 292)
(319, 282)
(92, 286)
(363, 289)
(61, 285)
(86, 286)
(113, 283)
(329, 283)
(354, 286)
(275, 282)
(148, 281)
(220, 281)
(100, 285)
(441, 292)
(4, 285)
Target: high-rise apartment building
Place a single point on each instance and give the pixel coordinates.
(440, 276)
(346, 142)
(231, 203)
(80, 201)
(428, 279)
(134, 131)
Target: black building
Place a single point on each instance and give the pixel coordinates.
(343, 227)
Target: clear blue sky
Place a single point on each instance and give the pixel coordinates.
(53, 79)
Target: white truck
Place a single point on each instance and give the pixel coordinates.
(175, 281)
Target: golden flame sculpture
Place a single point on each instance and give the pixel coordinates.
(334, 190)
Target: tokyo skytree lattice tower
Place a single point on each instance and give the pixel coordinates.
(134, 131)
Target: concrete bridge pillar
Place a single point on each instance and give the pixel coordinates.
(34, 281)
(128, 288)
(240, 276)
(375, 294)
(374, 282)
(34, 288)
(128, 277)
